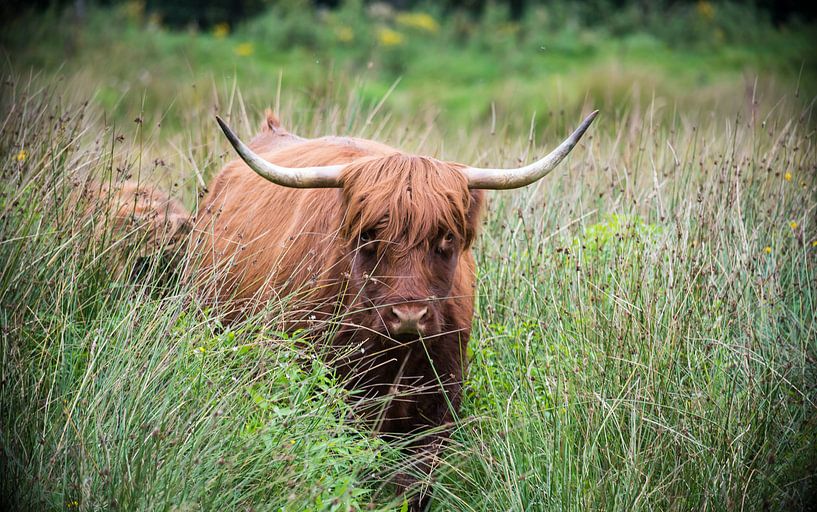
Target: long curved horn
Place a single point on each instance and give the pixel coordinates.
(503, 179)
(295, 177)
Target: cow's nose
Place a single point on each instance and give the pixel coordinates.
(408, 318)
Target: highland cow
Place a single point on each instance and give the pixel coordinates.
(148, 226)
(375, 246)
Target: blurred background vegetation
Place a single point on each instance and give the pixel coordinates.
(470, 60)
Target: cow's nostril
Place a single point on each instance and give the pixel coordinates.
(409, 314)
(409, 318)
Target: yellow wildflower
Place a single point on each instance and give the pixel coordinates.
(344, 34)
(418, 20)
(201, 349)
(705, 10)
(221, 30)
(793, 224)
(135, 9)
(22, 155)
(787, 176)
(508, 29)
(244, 49)
(154, 21)
(767, 249)
(389, 37)
(814, 243)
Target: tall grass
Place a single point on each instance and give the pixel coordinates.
(660, 352)
(644, 336)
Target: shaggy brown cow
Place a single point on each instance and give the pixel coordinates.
(375, 244)
(148, 226)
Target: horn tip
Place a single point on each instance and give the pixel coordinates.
(229, 133)
(584, 126)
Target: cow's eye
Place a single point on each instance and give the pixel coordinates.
(445, 247)
(366, 236)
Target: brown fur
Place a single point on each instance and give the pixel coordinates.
(272, 135)
(418, 219)
(140, 218)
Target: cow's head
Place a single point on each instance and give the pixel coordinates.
(408, 219)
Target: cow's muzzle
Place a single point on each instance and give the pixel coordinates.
(411, 319)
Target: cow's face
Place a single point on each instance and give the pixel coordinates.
(408, 221)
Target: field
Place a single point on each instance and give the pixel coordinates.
(646, 326)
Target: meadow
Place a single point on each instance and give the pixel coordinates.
(646, 327)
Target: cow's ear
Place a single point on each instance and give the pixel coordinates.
(474, 216)
(271, 123)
